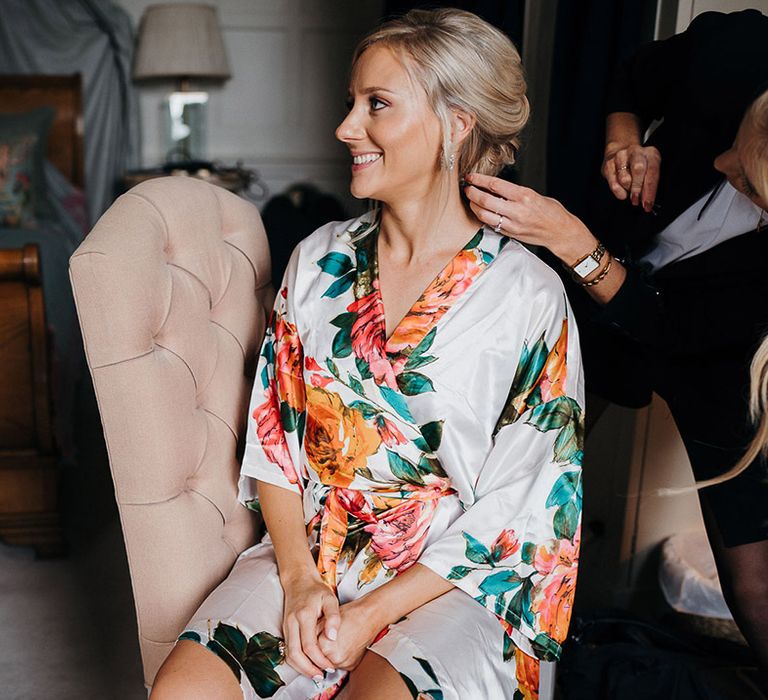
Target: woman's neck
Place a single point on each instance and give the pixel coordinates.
(418, 228)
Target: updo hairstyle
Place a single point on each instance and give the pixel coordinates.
(462, 63)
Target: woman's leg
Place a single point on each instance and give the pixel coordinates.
(192, 672)
(375, 679)
(743, 573)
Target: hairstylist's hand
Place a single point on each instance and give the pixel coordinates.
(359, 627)
(632, 171)
(307, 600)
(522, 213)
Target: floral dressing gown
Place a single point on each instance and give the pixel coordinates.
(455, 443)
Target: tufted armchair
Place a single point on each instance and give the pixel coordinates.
(171, 289)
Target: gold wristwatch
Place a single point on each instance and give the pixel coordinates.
(589, 263)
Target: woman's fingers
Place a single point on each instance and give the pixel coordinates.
(308, 629)
(638, 167)
(294, 653)
(623, 174)
(611, 176)
(651, 182)
(331, 617)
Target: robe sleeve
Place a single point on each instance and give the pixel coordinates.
(277, 409)
(515, 548)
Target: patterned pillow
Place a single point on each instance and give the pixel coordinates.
(23, 142)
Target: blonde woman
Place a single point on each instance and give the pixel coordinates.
(681, 290)
(415, 437)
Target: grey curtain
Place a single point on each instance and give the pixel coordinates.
(93, 38)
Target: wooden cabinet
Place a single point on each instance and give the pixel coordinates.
(29, 475)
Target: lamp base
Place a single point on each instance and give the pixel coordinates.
(184, 126)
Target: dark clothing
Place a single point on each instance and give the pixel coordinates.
(689, 331)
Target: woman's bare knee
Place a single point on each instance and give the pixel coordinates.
(375, 679)
(192, 672)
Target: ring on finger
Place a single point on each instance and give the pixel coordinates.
(497, 228)
(623, 167)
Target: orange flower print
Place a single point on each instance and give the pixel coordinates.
(288, 364)
(552, 382)
(552, 599)
(505, 545)
(398, 537)
(337, 440)
(367, 337)
(388, 432)
(450, 284)
(269, 428)
(527, 672)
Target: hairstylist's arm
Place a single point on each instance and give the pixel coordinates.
(541, 221)
(307, 598)
(631, 169)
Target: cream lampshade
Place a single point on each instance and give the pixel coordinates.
(182, 42)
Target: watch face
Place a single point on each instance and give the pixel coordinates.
(589, 264)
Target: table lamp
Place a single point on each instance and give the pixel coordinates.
(182, 42)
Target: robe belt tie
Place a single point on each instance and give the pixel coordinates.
(398, 521)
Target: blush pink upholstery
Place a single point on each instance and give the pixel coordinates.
(172, 289)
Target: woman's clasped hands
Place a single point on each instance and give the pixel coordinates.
(320, 634)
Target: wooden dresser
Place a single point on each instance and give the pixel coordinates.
(29, 477)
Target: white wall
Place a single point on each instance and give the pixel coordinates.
(289, 62)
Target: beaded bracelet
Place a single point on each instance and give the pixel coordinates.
(601, 276)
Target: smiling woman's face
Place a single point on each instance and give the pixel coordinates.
(391, 131)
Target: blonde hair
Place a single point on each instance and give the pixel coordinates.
(754, 148)
(463, 63)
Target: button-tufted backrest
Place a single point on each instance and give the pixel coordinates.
(172, 289)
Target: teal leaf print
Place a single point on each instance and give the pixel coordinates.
(476, 551)
(257, 658)
(545, 647)
(300, 424)
(553, 414)
(475, 240)
(459, 572)
(433, 434)
(192, 636)
(342, 341)
(508, 653)
(403, 469)
(565, 489)
(570, 440)
(416, 361)
(519, 609)
(397, 402)
(500, 582)
(288, 417)
(340, 286)
(331, 365)
(355, 385)
(518, 695)
(487, 258)
(425, 343)
(345, 320)
(422, 444)
(427, 669)
(413, 383)
(566, 521)
(368, 410)
(431, 465)
(528, 552)
(412, 689)
(336, 264)
(363, 368)
(529, 368)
